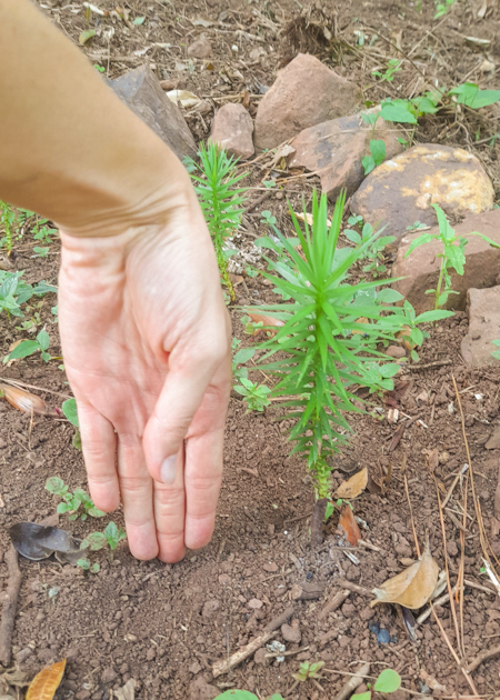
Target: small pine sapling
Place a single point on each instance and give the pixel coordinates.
(328, 344)
(215, 182)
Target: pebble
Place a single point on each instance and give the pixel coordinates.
(23, 654)
(109, 675)
(260, 657)
(291, 633)
(271, 567)
(397, 352)
(210, 607)
(255, 604)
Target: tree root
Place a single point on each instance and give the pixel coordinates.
(9, 606)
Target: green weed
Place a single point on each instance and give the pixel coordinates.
(78, 504)
(388, 682)
(14, 292)
(255, 396)
(29, 347)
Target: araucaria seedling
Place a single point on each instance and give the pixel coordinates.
(78, 504)
(330, 343)
(215, 182)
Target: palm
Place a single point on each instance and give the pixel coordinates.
(141, 334)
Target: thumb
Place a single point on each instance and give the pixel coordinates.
(177, 404)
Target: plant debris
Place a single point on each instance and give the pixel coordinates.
(37, 542)
(44, 684)
(351, 488)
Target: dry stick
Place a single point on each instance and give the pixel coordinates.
(417, 546)
(483, 656)
(453, 652)
(452, 487)
(9, 606)
(447, 569)
(15, 382)
(437, 363)
(353, 683)
(335, 602)
(235, 659)
(461, 570)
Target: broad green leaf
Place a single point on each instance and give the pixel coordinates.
(70, 412)
(243, 355)
(389, 370)
(378, 150)
(389, 296)
(24, 349)
(236, 695)
(388, 682)
(43, 339)
(470, 95)
(396, 113)
(55, 484)
(434, 315)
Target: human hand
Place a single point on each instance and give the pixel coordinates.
(146, 345)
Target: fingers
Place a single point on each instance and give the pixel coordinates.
(169, 506)
(202, 477)
(137, 497)
(177, 404)
(99, 450)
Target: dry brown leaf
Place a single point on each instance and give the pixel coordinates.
(127, 692)
(353, 486)
(44, 684)
(413, 587)
(265, 320)
(23, 400)
(348, 523)
(431, 681)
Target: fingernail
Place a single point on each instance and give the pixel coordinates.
(168, 469)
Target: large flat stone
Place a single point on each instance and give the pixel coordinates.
(141, 91)
(401, 191)
(232, 130)
(335, 149)
(305, 93)
(421, 268)
(484, 327)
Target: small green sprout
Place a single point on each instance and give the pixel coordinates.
(29, 347)
(111, 536)
(256, 396)
(87, 566)
(308, 670)
(70, 412)
(388, 682)
(77, 504)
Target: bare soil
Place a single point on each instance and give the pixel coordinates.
(164, 625)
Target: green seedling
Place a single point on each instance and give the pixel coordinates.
(86, 565)
(14, 292)
(111, 537)
(375, 250)
(411, 332)
(496, 353)
(452, 255)
(443, 7)
(215, 182)
(376, 157)
(255, 396)
(78, 504)
(240, 358)
(29, 347)
(325, 351)
(7, 222)
(70, 412)
(269, 219)
(393, 67)
(388, 682)
(309, 670)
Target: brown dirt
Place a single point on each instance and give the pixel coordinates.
(165, 625)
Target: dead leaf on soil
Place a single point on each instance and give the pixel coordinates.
(265, 320)
(413, 587)
(185, 98)
(431, 681)
(127, 692)
(353, 486)
(348, 523)
(307, 217)
(23, 400)
(432, 459)
(37, 542)
(44, 684)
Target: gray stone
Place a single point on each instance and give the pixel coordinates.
(232, 130)
(420, 269)
(305, 93)
(484, 327)
(141, 91)
(400, 192)
(494, 441)
(335, 149)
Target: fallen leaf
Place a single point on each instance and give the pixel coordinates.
(44, 684)
(23, 400)
(36, 542)
(265, 320)
(432, 459)
(308, 217)
(348, 523)
(353, 486)
(185, 98)
(431, 681)
(413, 587)
(127, 692)
(86, 35)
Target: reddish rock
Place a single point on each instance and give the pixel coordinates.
(484, 327)
(397, 352)
(141, 91)
(200, 48)
(400, 191)
(200, 689)
(291, 633)
(210, 607)
(335, 149)
(421, 268)
(232, 129)
(305, 93)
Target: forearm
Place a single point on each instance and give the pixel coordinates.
(69, 148)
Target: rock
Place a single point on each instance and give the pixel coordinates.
(140, 90)
(255, 604)
(291, 633)
(270, 567)
(400, 191)
(452, 548)
(260, 657)
(484, 327)
(232, 129)
(334, 150)
(305, 93)
(24, 654)
(200, 48)
(200, 689)
(194, 668)
(396, 351)
(109, 675)
(493, 443)
(210, 607)
(421, 268)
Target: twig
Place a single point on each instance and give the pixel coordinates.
(428, 365)
(447, 569)
(417, 546)
(453, 652)
(353, 683)
(452, 487)
(275, 654)
(483, 656)
(9, 606)
(224, 666)
(354, 587)
(335, 602)
(16, 382)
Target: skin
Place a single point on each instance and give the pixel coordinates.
(144, 330)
